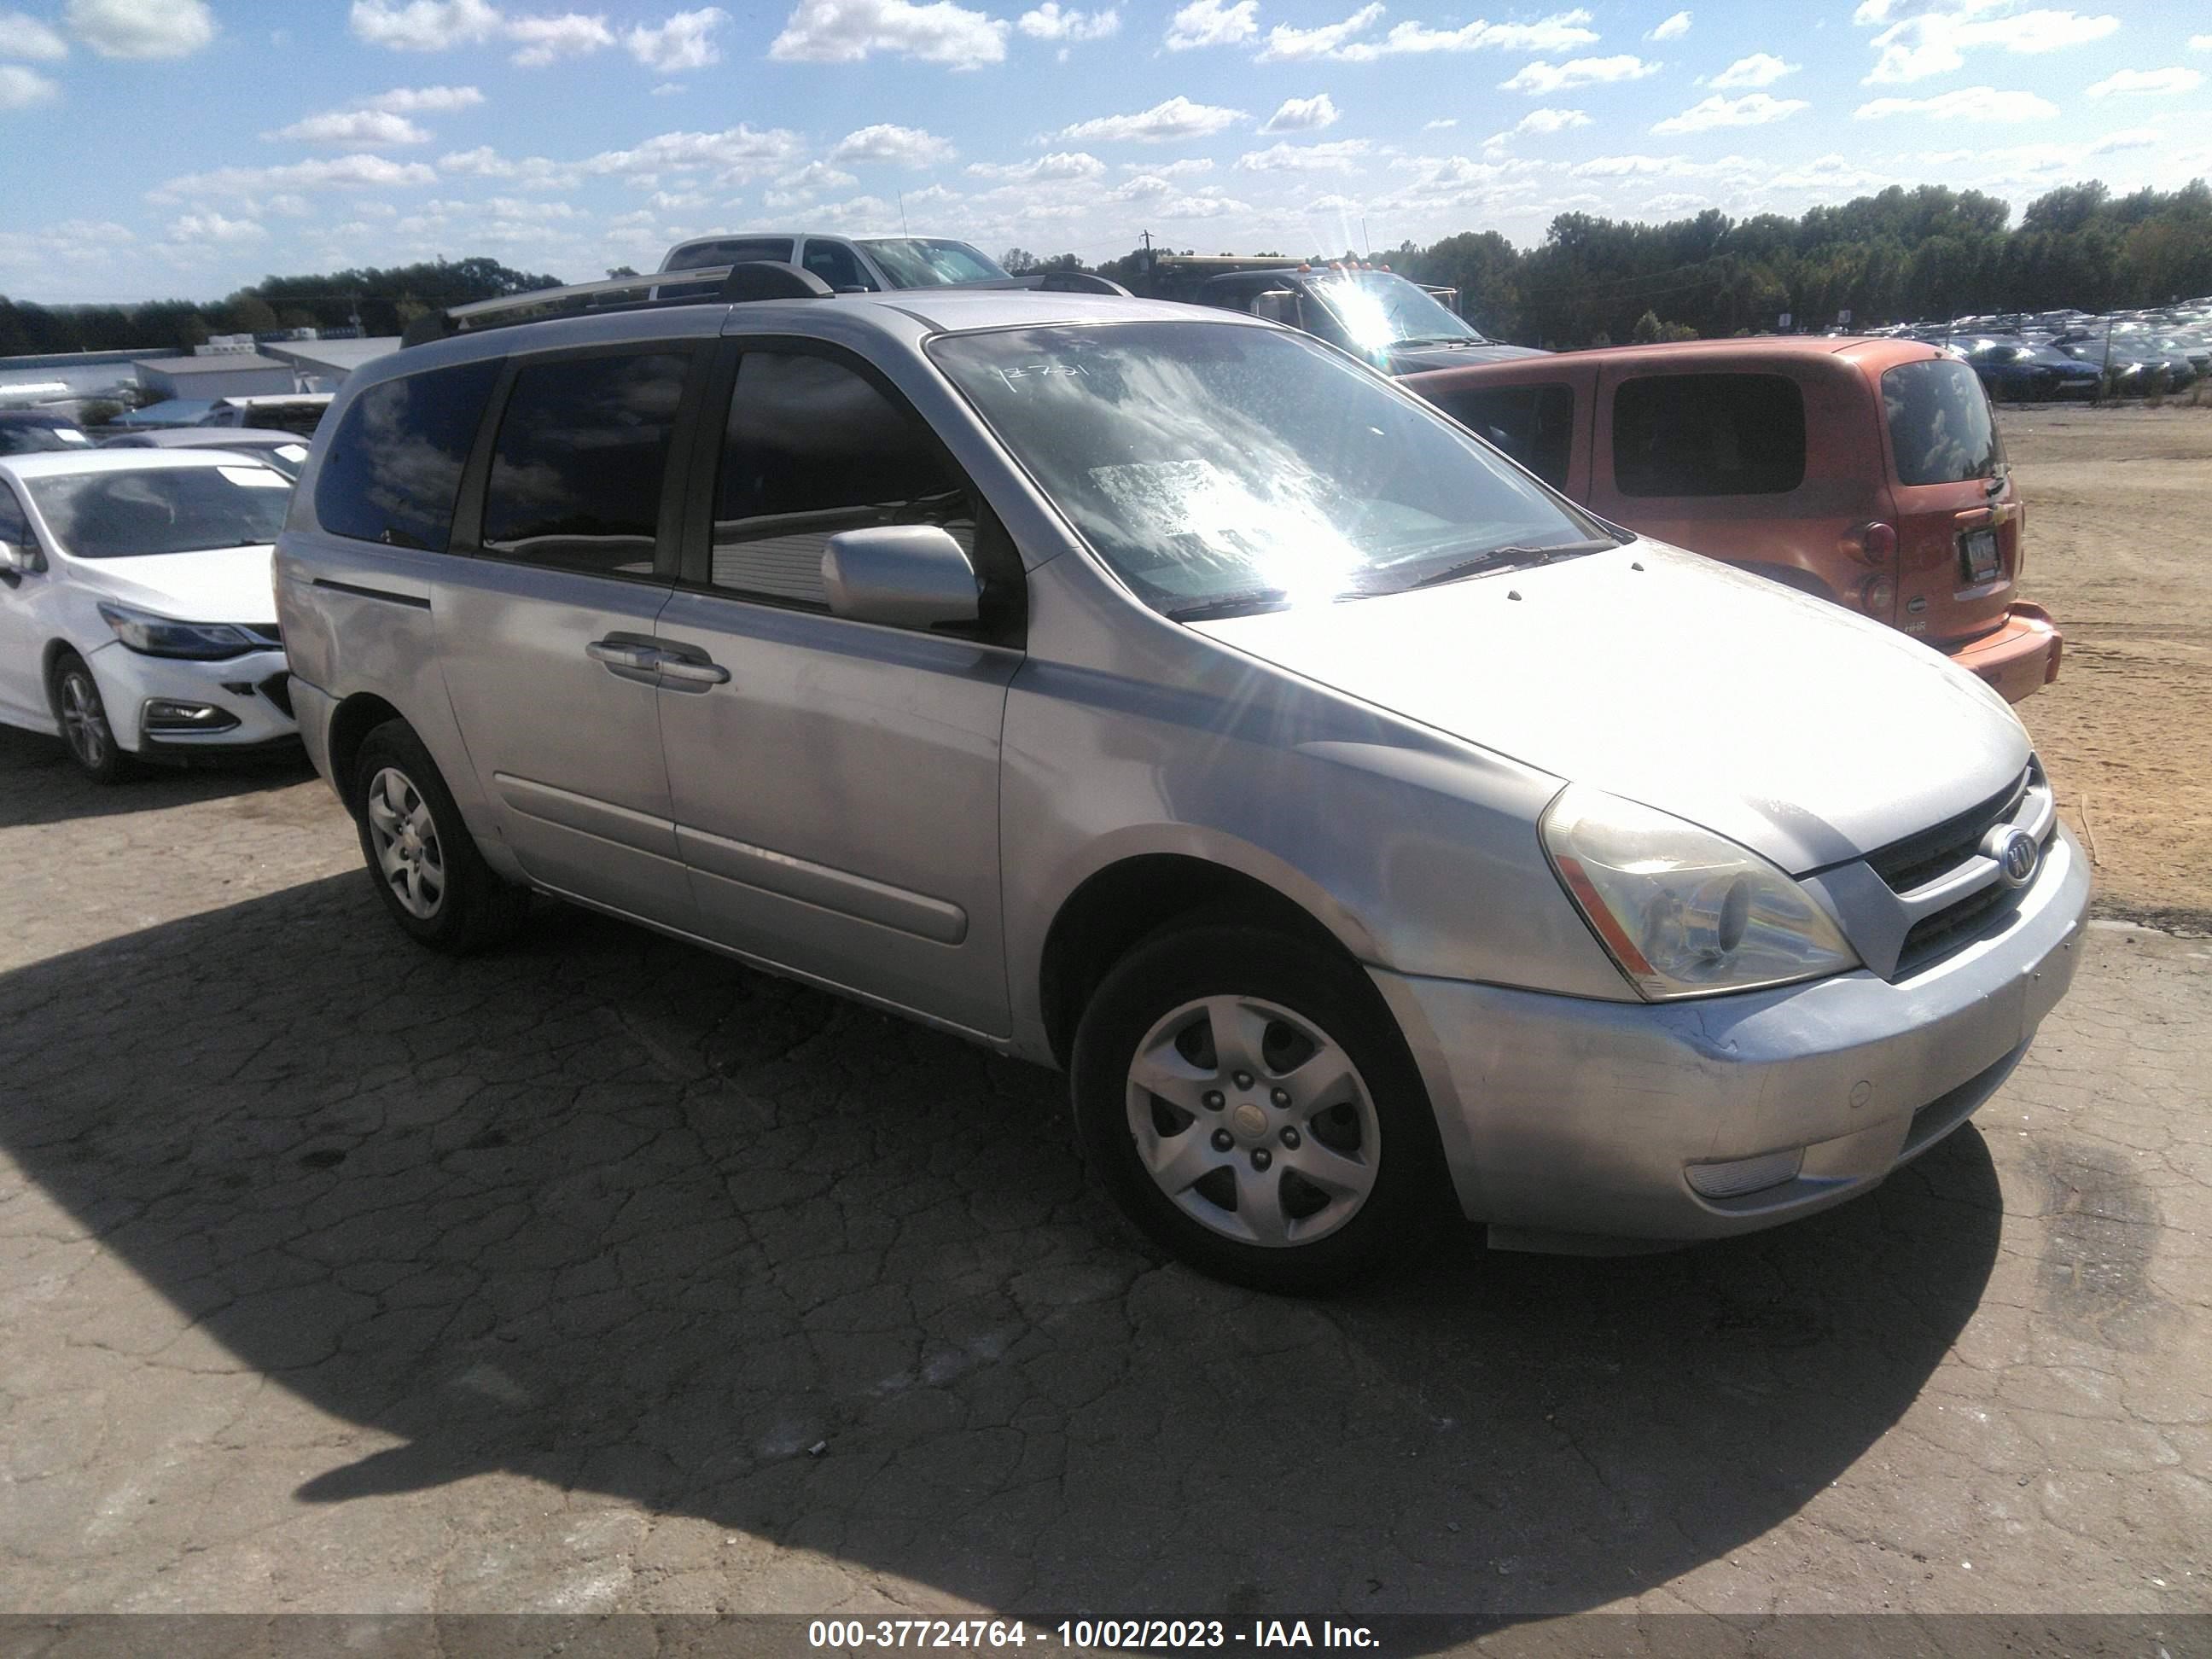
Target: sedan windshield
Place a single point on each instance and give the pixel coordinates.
(122, 515)
(1213, 465)
(932, 261)
(1380, 309)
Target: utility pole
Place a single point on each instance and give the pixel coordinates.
(1146, 236)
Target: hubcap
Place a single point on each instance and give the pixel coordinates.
(1254, 1120)
(84, 722)
(405, 838)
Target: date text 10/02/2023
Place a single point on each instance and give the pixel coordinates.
(1084, 1634)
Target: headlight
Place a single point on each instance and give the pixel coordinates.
(1685, 912)
(164, 637)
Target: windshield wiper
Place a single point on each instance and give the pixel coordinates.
(1443, 339)
(1505, 558)
(1231, 604)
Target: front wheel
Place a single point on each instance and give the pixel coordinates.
(83, 716)
(1246, 1099)
(428, 871)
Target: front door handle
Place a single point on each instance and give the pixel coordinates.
(691, 671)
(622, 653)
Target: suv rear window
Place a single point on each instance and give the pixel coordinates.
(394, 471)
(1940, 424)
(1534, 424)
(1708, 434)
(737, 252)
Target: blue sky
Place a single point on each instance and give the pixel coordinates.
(153, 148)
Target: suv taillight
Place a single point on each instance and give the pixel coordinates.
(1877, 542)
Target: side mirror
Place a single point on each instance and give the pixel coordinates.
(902, 576)
(19, 561)
(1277, 305)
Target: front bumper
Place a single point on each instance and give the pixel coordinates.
(1574, 1124)
(2017, 657)
(251, 688)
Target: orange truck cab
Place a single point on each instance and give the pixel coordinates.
(1868, 471)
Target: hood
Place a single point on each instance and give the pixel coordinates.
(1808, 734)
(222, 585)
(1412, 360)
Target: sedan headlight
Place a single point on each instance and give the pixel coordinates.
(1685, 912)
(165, 636)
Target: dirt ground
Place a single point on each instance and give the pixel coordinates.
(2120, 549)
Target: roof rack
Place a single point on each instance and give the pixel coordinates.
(753, 279)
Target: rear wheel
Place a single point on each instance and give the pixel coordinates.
(1246, 1099)
(83, 717)
(424, 862)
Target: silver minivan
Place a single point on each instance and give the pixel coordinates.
(1162, 696)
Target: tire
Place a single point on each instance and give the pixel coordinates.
(1275, 1174)
(81, 713)
(421, 858)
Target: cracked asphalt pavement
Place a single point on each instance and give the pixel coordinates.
(603, 1274)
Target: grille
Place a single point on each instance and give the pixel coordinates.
(277, 687)
(1918, 860)
(1931, 936)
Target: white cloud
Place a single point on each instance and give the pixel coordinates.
(1210, 23)
(846, 31)
(1049, 23)
(141, 29)
(22, 88)
(1176, 169)
(1441, 124)
(371, 127)
(1162, 200)
(1936, 42)
(2200, 43)
(1286, 44)
(2127, 138)
(1542, 78)
(2149, 81)
(423, 25)
(1562, 32)
(668, 89)
(1304, 158)
(546, 39)
(1966, 104)
(1060, 164)
(904, 147)
(214, 228)
(1551, 120)
(1761, 69)
(818, 175)
(339, 173)
(426, 100)
(1672, 29)
(1303, 115)
(529, 173)
(739, 152)
(23, 36)
(1177, 118)
(1752, 110)
(684, 42)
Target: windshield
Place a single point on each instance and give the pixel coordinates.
(1211, 463)
(121, 515)
(932, 261)
(23, 438)
(1379, 309)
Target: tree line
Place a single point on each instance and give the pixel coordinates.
(1929, 253)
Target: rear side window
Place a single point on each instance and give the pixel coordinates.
(812, 448)
(1940, 424)
(582, 453)
(1708, 434)
(394, 468)
(1534, 424)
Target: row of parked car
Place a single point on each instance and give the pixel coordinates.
(2055, 355)
(1375, 826)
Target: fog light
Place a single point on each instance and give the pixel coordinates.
(163, 715)
(1746, 1174)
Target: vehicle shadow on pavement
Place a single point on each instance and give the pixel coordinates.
(64, 793)
(612, 1212)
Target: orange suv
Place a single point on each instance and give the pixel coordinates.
(1870, 472)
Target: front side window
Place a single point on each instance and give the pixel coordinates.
(582, 453)
(1534, 424)
(1940, 424)
(394, 471)
(813, 447)
(836, 264)
(1217, 466)
(125, 515)
(1708, 434)
(14, 528)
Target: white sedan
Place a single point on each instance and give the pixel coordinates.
(136, 620)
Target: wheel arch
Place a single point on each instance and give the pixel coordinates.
(351, 722)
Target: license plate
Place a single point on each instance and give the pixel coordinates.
(1978, 552)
